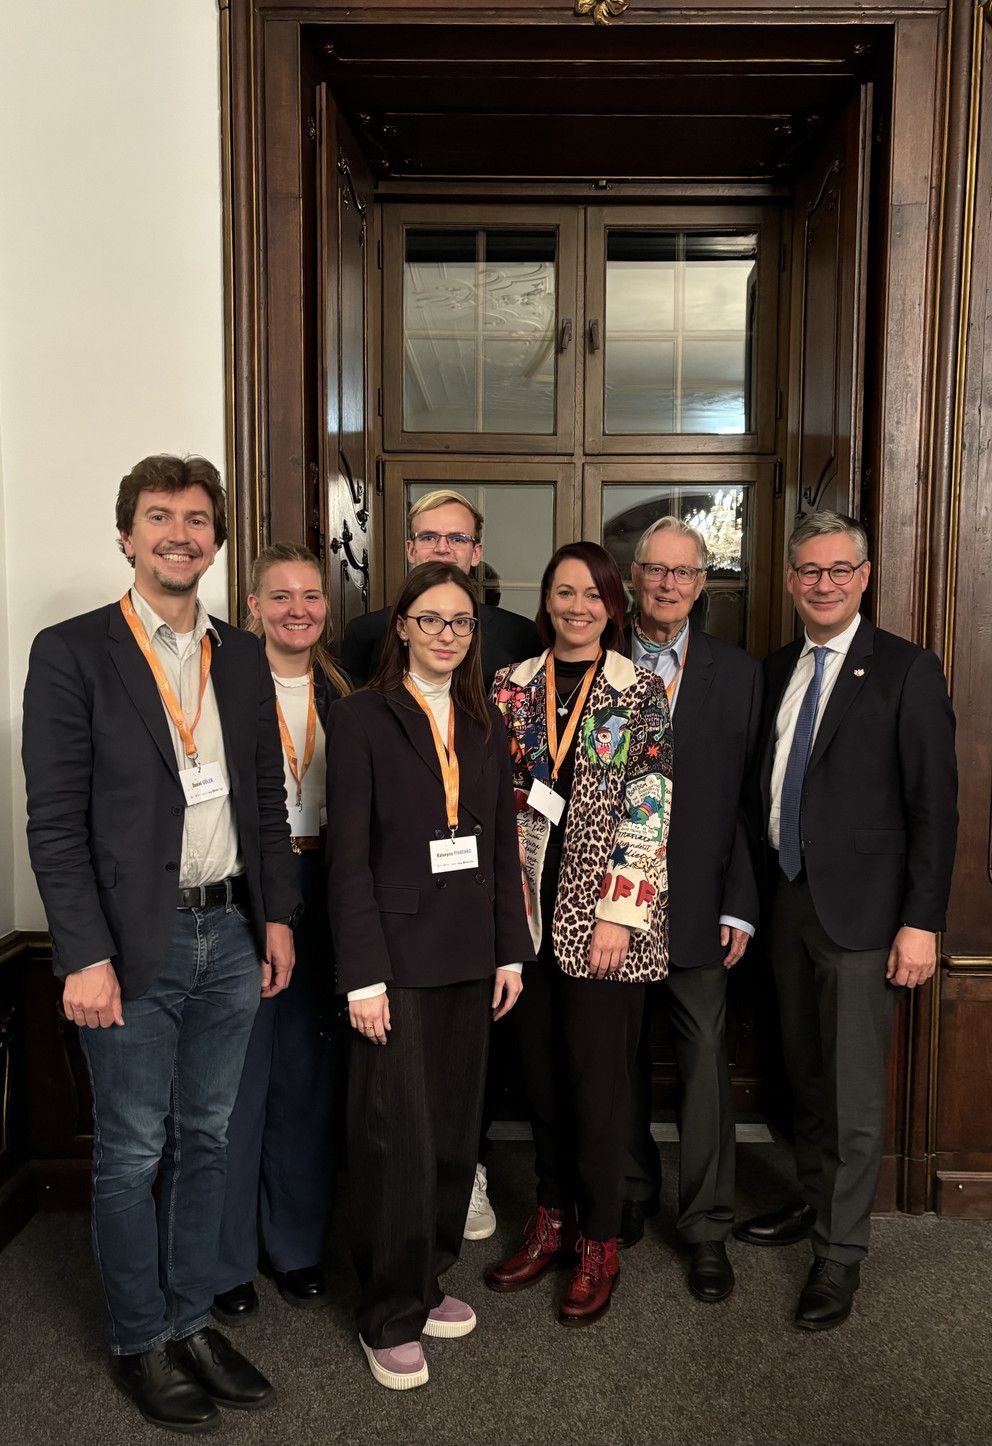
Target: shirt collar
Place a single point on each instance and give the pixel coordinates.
(677, 645)
(840, 644)
(152, 623)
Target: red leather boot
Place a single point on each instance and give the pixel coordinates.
(589, 1290)
(548, 1240)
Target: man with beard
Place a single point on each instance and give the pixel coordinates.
(158, 836)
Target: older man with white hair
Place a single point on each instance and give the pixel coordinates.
(715, 695)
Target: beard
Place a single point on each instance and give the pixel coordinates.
(176, 584)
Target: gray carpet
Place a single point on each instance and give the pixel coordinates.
(912, 1366)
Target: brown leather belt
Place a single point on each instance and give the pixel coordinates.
(205, 896)
(307, 843)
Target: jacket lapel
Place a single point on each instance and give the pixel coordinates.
(854, 670)
(697, 675)
(414, 724)
(137, 678)
(227, 709)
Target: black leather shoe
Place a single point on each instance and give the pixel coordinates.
(781, 1227)
(711, 1275)
(222, 1371)
(233, 1307)
(632, 1218)
(826, 1299)
(305, 1288)
(163, 1392)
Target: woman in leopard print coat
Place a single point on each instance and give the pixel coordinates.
(593, 804)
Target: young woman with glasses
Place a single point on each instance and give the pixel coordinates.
(428, 920)
(591, 743)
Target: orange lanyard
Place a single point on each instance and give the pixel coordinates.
(448, 761)
(670, 687)
(175, 712)
(556, 750)
(308, 743)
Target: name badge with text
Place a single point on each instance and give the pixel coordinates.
(450, 854)
(544, 800)
(304, 820)
(202, 783)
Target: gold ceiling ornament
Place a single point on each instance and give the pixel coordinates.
(602, 11)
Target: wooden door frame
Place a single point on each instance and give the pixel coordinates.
(916, 427)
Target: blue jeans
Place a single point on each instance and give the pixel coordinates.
(282, 1132)
(163, 1089)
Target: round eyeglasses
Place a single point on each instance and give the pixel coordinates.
(434, 625)
(839, 572)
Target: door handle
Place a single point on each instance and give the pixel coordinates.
(594, 336)
(564, 335)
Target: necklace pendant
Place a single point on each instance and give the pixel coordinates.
(563, 711)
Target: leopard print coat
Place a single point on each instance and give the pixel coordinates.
(614, 863)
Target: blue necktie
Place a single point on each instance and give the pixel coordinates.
(789, 845)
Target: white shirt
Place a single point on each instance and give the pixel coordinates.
(293, 694)
(792, 698)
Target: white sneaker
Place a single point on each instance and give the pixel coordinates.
(480, 1222)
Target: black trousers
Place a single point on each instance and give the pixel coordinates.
(696, 1000)
(413, 1130)
(835, 1007)
(577, 1040)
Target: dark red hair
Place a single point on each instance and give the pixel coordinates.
(607, 581)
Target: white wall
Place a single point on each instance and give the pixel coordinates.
(111, 310)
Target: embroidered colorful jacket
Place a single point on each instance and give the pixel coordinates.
(614, 862)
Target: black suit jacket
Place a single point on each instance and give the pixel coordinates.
(393, 920)
(105, 805)
(714, 827)
(506, 638)
(879, 806)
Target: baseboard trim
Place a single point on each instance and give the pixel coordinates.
(964, 1194)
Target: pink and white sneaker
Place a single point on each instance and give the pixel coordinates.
(451, 1318)
(398, 1368)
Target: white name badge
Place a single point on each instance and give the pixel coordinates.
(202, 783)
(543, 799)
(304, 820)
(449, 854)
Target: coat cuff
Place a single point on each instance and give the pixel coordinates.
(626, 897)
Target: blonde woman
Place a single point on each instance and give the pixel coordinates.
(280, 1137)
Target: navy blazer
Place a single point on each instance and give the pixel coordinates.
(879, 804)
(506, 638)
(715, 823)
(393, 920)
(105, 805)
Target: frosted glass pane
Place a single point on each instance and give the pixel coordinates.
(640, 386)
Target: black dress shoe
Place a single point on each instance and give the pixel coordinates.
(233, 1307)
(826, 1298)
(305, 1288)
(711, 1275)
(163, 1392)
(222, 1371)
(781, 1227)
(632, 1218)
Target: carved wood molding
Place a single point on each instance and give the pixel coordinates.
(602, 11)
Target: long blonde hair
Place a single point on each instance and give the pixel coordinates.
(320, 653)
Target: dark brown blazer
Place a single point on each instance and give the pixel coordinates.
(392, 920)
(879, 804)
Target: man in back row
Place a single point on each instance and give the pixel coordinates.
(158, 836)
(443, 526)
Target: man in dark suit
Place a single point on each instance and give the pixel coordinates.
(859, 787)
(443, 527)
(714, 693)
(158, 836)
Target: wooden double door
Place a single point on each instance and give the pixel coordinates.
(579, 370)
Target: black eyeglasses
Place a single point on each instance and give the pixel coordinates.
(434, 625)
(658, 572)
(453, 539)
(839, 572)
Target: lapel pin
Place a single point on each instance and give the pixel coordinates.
(859, 672)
